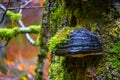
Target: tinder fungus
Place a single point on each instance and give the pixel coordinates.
(80, 43)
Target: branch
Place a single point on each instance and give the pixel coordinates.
(22, 6)
(5, 11)
(4, 43)
(20, 21)
(23, 26)
(27, 35)
(28, 7)
(2, 7)
(31, 29)
(6, 33)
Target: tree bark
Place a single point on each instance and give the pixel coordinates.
(72, 13)
(78, 12)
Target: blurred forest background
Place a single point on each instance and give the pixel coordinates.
(19, 56)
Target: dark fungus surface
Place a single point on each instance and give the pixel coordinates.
(80, 41)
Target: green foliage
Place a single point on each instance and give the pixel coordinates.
(14, 16)
(59, 38)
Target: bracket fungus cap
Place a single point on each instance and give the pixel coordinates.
(80, 43)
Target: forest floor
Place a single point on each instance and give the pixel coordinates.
(19, 70)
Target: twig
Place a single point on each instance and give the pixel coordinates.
(22, 6)
(4, 12)
(27, 35)
(19, 30)
(23, 26)
(3, 44)
(28, 7)
(4, 9)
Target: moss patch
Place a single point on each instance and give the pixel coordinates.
(7, 34)
(115, 49)
(59, 38)
(14, 16)
(57, 71)
(35, 28)
(109, 68)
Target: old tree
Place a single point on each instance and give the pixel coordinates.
(59, 18)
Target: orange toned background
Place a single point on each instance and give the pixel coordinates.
(19, 46)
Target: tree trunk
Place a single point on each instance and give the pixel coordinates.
(89, 14)
(77, 12)
(67, 68)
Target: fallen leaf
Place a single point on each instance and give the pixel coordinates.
(21, 66)
(42, 3)
(1, 74)
(32, 69)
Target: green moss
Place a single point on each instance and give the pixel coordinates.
(56, 19)
(68, 68)
(8, 33)
(59, 38)
(109, 68)
(90, 10)
(115, 48)
(86, 13)
(35, 28)
(57, 70)
(38, 41)
(14, 16)
(41, 55)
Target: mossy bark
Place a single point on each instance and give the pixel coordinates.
(77, 12)
(67, 68)
(93, 15)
